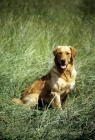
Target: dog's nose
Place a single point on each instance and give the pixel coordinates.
(63, 61)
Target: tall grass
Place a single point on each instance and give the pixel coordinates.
(30, 30)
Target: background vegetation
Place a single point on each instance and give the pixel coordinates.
(29, 31)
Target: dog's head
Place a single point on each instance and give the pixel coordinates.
(64, 55)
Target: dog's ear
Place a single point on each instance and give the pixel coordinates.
(55, 52)
(73, 52)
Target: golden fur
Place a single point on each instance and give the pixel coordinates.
(53, 87)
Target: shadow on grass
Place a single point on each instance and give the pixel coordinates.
(87, 7)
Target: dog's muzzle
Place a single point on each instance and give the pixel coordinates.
(63, 64)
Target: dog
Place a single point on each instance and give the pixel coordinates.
(53, 88)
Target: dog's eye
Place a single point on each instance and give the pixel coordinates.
(67, 53)
(59, 53)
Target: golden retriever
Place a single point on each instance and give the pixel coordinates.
(53, 88)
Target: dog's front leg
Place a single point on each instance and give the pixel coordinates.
(64, 100)
(56, 101)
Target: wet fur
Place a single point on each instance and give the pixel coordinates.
(52, 88)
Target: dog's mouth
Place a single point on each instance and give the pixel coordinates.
(63, 66)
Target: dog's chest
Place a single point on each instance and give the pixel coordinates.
(63, 85)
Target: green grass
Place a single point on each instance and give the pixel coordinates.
(29, 31)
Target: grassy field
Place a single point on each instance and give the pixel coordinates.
(29, 31)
